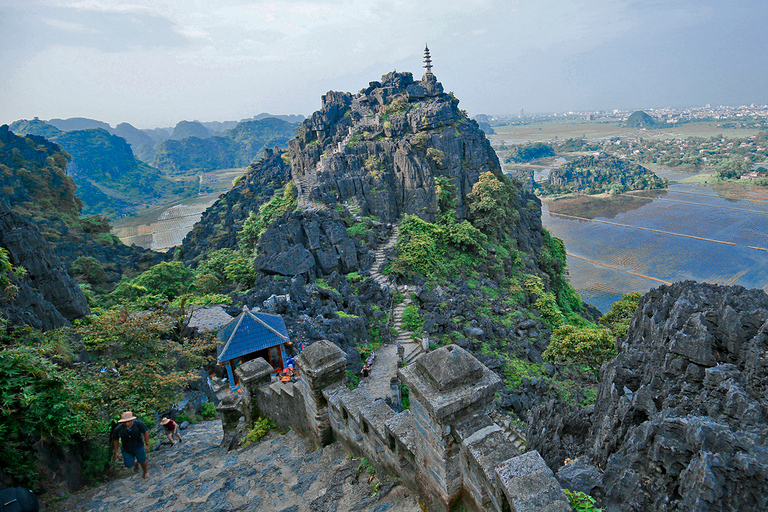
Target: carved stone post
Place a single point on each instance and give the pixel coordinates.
(252, 375)
(321, 365)
(447, 386)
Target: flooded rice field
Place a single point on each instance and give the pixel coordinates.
(638, 241)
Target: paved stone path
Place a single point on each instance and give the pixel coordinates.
(280, 473)
(385, 364)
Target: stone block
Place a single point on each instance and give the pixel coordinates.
(529, 485)
(450, 383)
(254, 373)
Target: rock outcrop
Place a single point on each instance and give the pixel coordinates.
(680, 419)
(220, 224)
(47, 297)
(381, 149)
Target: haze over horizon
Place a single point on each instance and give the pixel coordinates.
(154, 63)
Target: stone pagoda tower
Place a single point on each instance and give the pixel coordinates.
(427, 64)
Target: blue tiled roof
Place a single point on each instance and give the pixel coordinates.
(249, 333)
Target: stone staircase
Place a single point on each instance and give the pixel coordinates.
(383, 281)
(513, 434)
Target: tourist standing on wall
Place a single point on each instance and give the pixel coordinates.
(134, 436)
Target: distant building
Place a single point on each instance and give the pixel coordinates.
(520, 113)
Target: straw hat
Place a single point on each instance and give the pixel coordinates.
(126, 416)
(165, 421)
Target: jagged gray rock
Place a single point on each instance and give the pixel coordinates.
(47, 297)
(383, 148)
(680, 419)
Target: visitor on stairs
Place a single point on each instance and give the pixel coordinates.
(171, 429)
(134, 436)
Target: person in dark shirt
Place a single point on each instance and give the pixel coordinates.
(171, 429)
(134, 436)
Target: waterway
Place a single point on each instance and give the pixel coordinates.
(641, 240)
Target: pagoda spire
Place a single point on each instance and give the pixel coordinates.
(427, 62)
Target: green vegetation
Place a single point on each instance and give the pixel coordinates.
(261, 428)
(282, 202)
(581, 502)
(639, 119)
(208, 411)
(366, 466)
(598, 175)
(412, 321)
(528, 152)
(591, 345)
(7, 270)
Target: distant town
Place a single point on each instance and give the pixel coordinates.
(743, 116)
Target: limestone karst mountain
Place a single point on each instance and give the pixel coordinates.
(381, 149)
(45, 233)
(679, 422)
(236, 147)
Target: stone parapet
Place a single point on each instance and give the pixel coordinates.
(530, 486)
(448, 453)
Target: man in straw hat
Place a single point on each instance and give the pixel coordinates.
(134, 436)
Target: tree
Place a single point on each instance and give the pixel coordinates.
(732, 168)
(618, 317)
(591, 346)
(492, 203)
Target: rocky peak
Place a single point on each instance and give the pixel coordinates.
(382, 148)
(680, 417)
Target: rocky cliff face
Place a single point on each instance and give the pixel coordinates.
(381, 149)
(47, 297)
(680, 420)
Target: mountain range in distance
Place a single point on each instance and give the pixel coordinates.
(120, 169)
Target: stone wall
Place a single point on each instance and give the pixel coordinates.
(446, 447)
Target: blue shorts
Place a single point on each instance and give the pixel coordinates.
(131, 458)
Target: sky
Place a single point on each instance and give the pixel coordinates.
(153, 63)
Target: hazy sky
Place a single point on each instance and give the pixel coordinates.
(156, 62)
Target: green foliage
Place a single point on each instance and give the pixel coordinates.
(138, 366)
(581, 502)
(40, 397)
(515, 370)
(237, 147)
(436, 156)
(261, 428)
(596, 175)
(617, 319)
(592, 346)
(550, 313)
(184, 416)
(228, 266)
(732, 168)
(282, 202)
(344, 314)
(366, 466)
(88, 269)
(405, 397)
(208, 411)
(358, 230)
(412, 321)
(8, 289)
(163, 282)
(397, 106)
(528, 152)
(419, 141)
(492, 203)
(353, 381)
